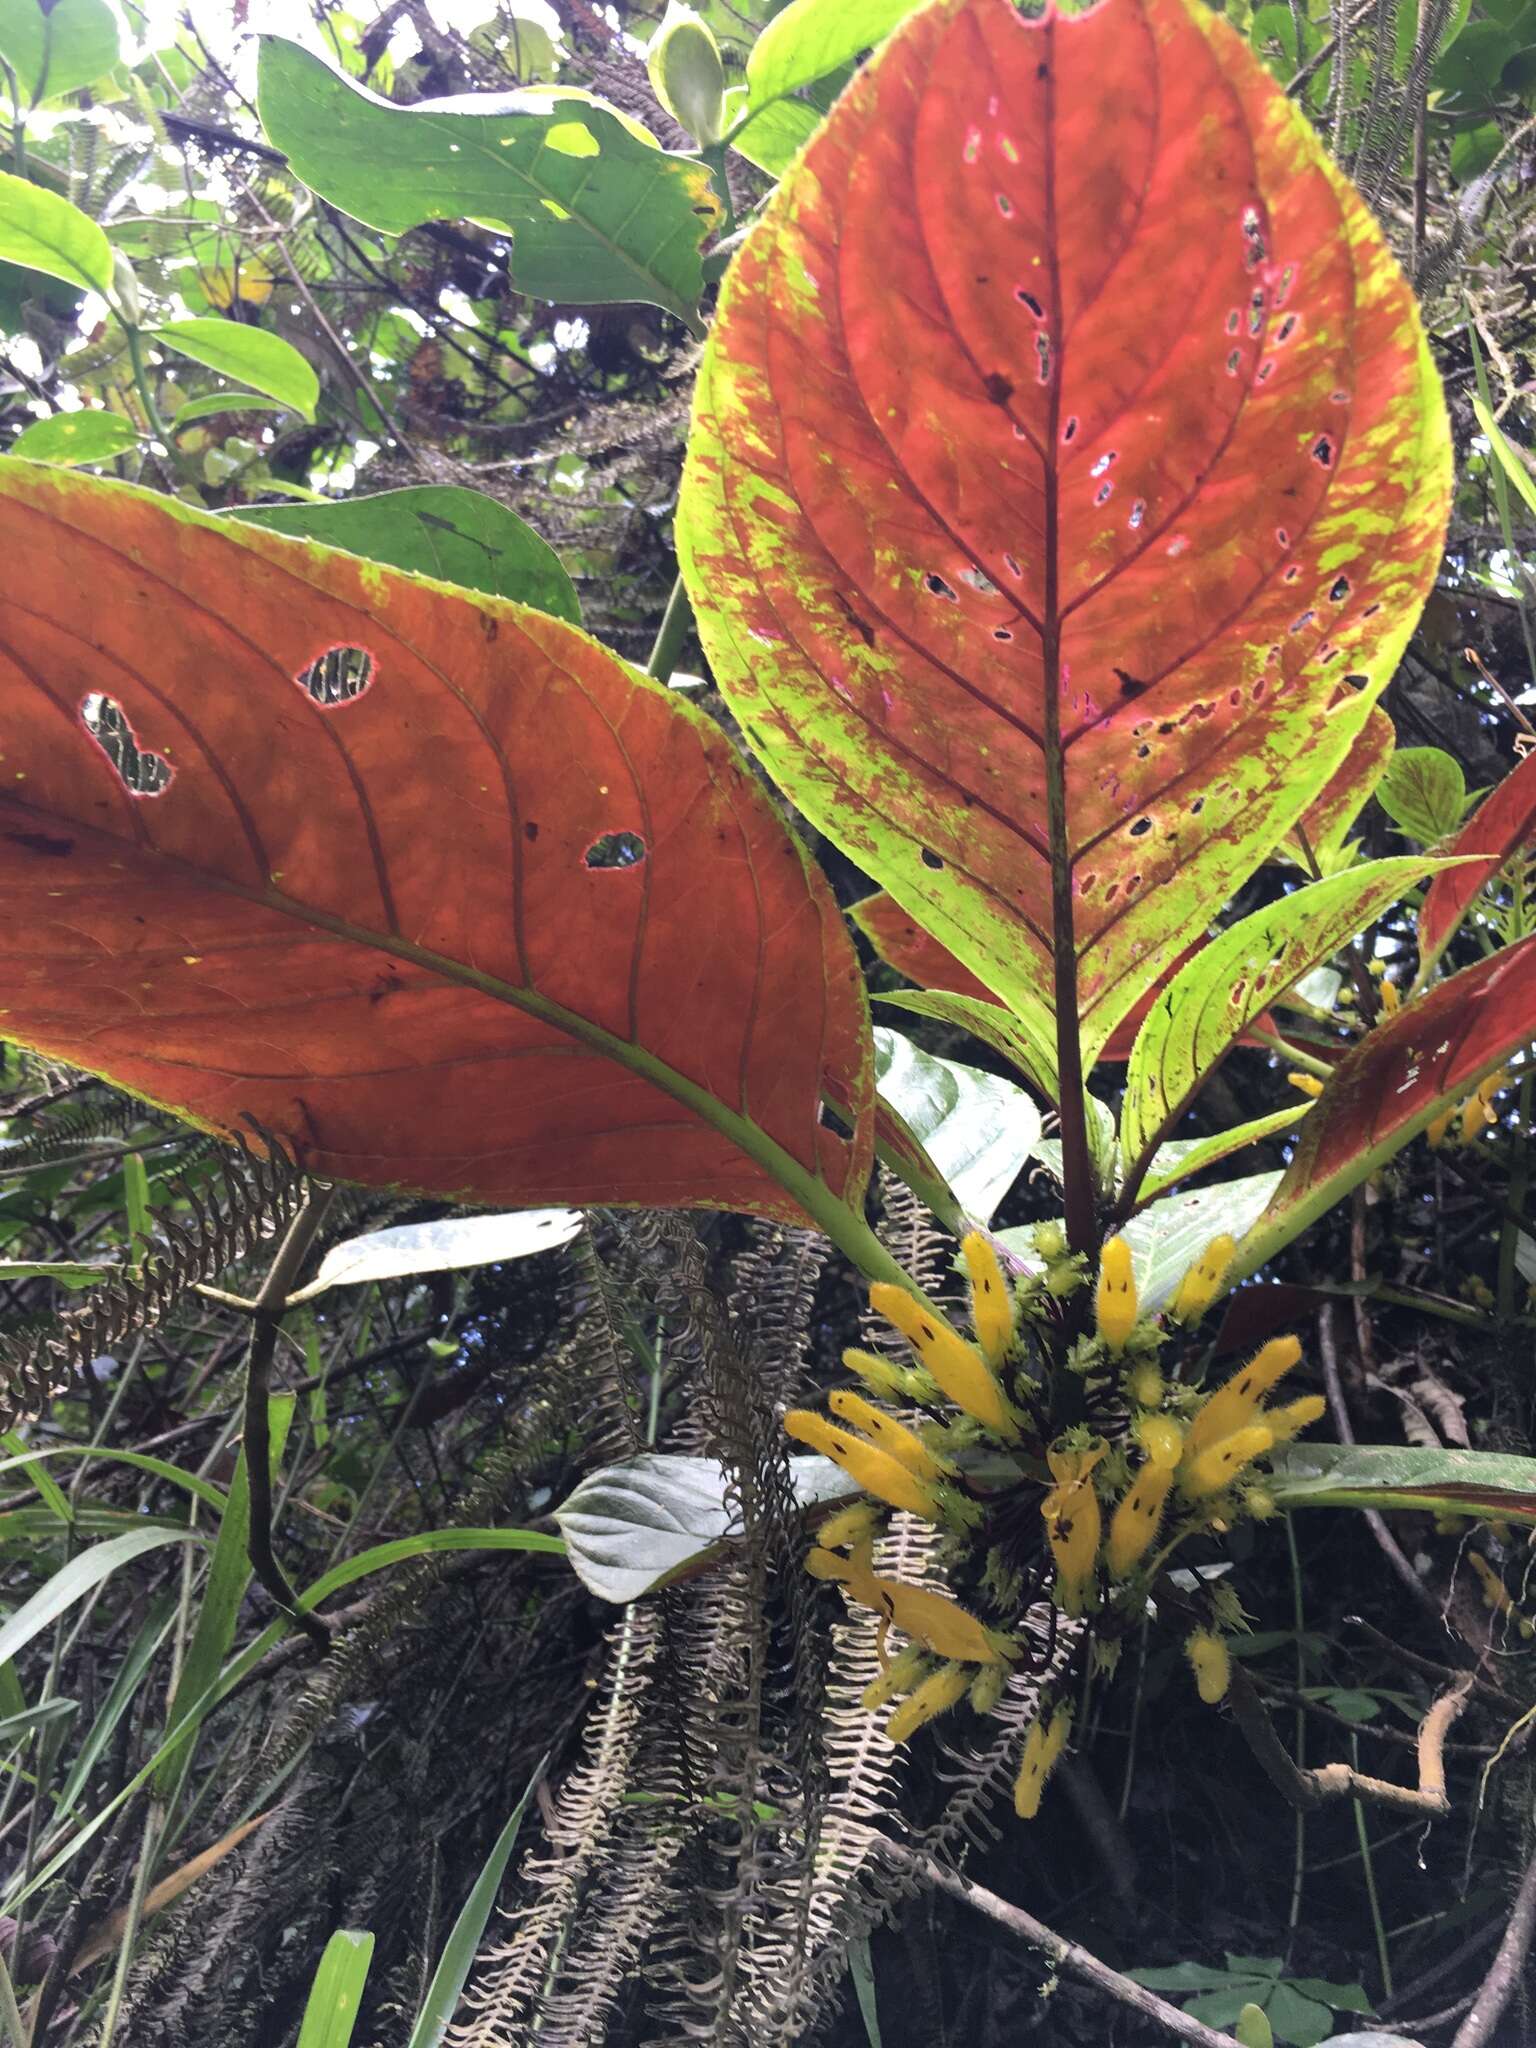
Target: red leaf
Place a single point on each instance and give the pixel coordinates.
(1327, 819)
(1067, 465)
(901, 942)
(1388, 1087)
(1501, 825)
(374, 926)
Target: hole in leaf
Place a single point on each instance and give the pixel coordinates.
(1138, 513)
(1011, 564)
(931, 859)
(1028, 299)
(615, 850)
(1234, 320)
(1001, 633)
(1103, 494)
(1322, 451)
(978, 579)
(1005, 206)
(340, 675)
(1286, 329)
(1340, 590)
(1234, 362)
(1141, 828)
(1069, 431)
(935, 583)
(141, 772)
(1197, 807)
(1043, 351)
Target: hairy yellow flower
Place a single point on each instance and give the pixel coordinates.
(1161, 1438)
(882, 1375)
(1211, 1664)
(991, 1297)
(1308, 1084)
(932, 1620)
(1438, 1127)
(1114, 1303)
(941, 1690)
(1135, 1521)
(857, 1523)
(1073, 1523)
(1236, 1401)
(1203, 1282)
(1391, 998)
(875, 1470)
(1042, 1746)
(1292, 1417)
(1220, 1465)
(891, 1436)
(956, 1367)
(906, 1669)
(987, 1687)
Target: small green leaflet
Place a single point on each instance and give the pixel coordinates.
(43, 232)
(1423, 792)
(76, 437)
(248, 354)
(598, 213)
(812, 37)
(1506, 455)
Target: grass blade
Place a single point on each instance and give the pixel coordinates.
(337, 1991)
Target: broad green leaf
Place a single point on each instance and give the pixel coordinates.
(1506, 454)
(248, 354)
(1219, 2008)
(776, 133)
(1183, 1977)
(57, 48)
(1342, 1997)
(1253, 2029)
(635, 1526)
(1182, 1158)
(1408, 1069)
(1299, 2021)
(41, 231)
(597, 214)
(330, 2012)
(812, 37)
(218, 1613)
(1003, 631)
(442, 1996)
(1167, 1237)
(1210, 1002)
(977, 1129)
(1493, 1485)
(218, 403)
(442, 1247)
(1424, 792)
(76, 437)
(1022, 1038)
(442, 530)
(82, 1575)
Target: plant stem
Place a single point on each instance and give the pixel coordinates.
(1299, 1622)
(675, 621)
(1368, 1868)
(143, 387)
(715, 158)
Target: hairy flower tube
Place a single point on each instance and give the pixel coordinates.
(933, 1620)
(1043, 1744)
(1073, 1524)
(1135, 1521)
(1222, 1462)
(888, 1435)
(1114, 1301)
(941, 1690)
(883, 1376)
(1203, 1282)
(875, 1470)
(991, 1297)
(1236, 1401)
(1161, 1438)
(1473, 1116)
(1211, 1663)
(1496, 1596)
(956, 1367)
(1305, 1084)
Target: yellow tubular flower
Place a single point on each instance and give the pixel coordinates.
(991, 1298)
(1161, 1438)
(1220, 1465)
(1073, 1524)
(875, 1470)
(939, 1623)
(1295, 1416)
(857, 1523)
(1439, 1126)
(1135, 1521)
(1391, 999)
(1236, 1401)
(880, 1375)
(1114, 1304)
(1042, 1746)
(891, 1436)
(945, 1688)
(1212, 1665)
(957, 1368)
(1202, 1283)
(1308, 1084)
(987, 1687)
(905, 1670)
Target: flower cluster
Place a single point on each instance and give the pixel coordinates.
(1058, 1460)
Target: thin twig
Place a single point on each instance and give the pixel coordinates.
(1506, 1970)
(1307, 1789)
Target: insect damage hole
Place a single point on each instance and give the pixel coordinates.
(615, 850)
(141, 772)
(338, 676)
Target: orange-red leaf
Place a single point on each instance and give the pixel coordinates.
(1067, 471)
(375, 926)
(1501, 825)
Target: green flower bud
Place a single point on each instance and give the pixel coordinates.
(686, 73)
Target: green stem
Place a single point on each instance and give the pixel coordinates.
(1293, 1053)
(142, 385)
(675, 622)
(1299, 1622)
(1383, 1954)
(715, 158)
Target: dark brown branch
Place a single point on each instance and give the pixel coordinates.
(1506, 1970)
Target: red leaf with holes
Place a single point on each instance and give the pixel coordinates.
(1409, 1068)
(1067, 473)
(510, 925)
(1502, 825)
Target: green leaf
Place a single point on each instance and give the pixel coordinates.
(1342, 1997)
(248, 354)
(76, 437)
(1213, 999)
(977, 1128)
(776, 134)
(1183, 1977)
(1219, 2008)
(57, 49)
(1182, 1158)
(82, 1575)
(442, 1247)
(598, 214)
(437, 2008)
(218, 1613)
(1253, 2029)
(1423, 792)
(54, 1497)
(125, 1690)
(442, 530)
(330, 2013)
(1492, 1485)
(1506, 454)
(43, 232)
(1026, 1039)
(67, 1272)
(1300, 2021)
(188, 1481)
(639, 1524)
(812, 37)
(861, 1969)
(220, 402)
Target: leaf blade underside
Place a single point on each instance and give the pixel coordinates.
(1001, 471)
(375, 926)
